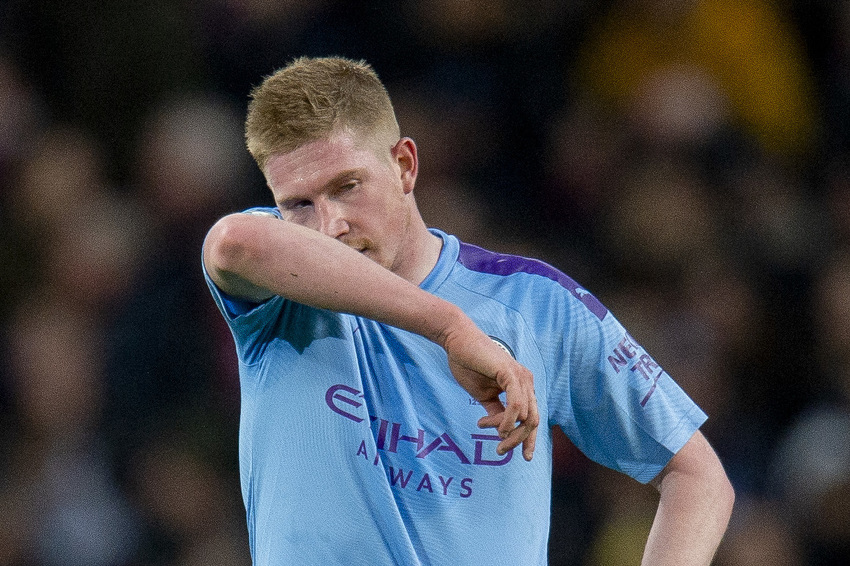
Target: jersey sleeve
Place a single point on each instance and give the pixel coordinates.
(249, 322)
(613, 400)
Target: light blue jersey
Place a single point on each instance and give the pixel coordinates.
(358, 447)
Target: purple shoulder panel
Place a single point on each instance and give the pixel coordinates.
(485, 261)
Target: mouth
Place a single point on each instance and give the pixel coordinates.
(359, 249)
(361, 246)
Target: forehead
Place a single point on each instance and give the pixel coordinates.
(313, 164)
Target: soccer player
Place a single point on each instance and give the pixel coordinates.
(389, 372)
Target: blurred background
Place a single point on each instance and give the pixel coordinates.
(688, 161)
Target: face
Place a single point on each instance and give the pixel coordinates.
(352, 191)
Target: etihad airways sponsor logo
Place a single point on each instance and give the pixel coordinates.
(396, 438)
(476, 449)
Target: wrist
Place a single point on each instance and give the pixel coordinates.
(450, 321)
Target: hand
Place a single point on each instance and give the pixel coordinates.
(485, 370)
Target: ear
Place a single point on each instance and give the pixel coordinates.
(405, 155)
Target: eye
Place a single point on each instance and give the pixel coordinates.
(348, 186)
(297, 204)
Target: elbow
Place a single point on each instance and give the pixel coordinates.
(227, 245)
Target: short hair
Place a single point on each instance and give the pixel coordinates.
(311, 98)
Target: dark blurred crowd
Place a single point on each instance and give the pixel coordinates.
(688, 161)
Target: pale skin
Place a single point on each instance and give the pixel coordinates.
(349, 209)
(694, 508)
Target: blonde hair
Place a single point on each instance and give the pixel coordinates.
(313, 97)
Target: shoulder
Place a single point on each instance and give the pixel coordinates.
(528, 274)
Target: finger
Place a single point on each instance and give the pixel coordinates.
(516, 411)
(490, 421)
(529, 444)
(533, 421)
(525, 433)
(514, 439)
(494, 408)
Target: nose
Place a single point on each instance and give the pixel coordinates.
(332, 220)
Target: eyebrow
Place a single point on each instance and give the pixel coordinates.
(337, 179)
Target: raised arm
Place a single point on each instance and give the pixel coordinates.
(694, 509)
(255, 257)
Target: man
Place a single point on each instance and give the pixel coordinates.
(371, 350)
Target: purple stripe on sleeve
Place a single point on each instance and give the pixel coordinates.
(484, 261)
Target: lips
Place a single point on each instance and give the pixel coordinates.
(358, 245)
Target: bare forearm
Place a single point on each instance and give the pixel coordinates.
(281, 258)
(693, 511)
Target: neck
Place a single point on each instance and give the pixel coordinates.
(424, 251)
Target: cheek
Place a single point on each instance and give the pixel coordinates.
(394, 218)
(384, 215)
(396, 205)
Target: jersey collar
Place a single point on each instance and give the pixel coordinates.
(445, 263)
